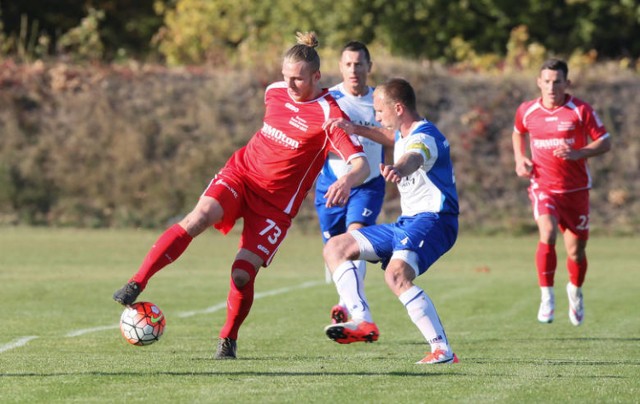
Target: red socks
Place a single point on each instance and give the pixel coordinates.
(167, 249)
(577, 271)
(239, 301)
(546, 262)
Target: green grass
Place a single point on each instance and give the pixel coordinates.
(55, 282)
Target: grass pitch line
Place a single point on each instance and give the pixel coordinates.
(83, 331)
(259, 295)
(208, 310)
(17, 343)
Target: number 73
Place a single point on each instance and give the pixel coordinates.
(274, 229)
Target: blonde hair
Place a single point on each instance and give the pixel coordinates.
(304, 50)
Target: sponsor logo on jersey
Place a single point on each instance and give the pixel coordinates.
(551, 119)
(224, 184)
(552, 143)
(566, 126)
(366, 212)
(263, 249)
(299, 123)
(292, 107)
(279, 136)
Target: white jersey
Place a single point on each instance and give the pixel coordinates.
(431, 188)
(360, 111)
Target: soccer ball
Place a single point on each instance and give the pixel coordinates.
(142, 323)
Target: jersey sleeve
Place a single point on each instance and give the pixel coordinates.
(518, 124)
(340, 142)
(418, 145)
(344, 145)
(592, 124)
(425, 145)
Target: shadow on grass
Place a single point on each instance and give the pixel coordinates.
(577, 339)
(229, 373)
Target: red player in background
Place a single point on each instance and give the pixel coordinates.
(564, 132)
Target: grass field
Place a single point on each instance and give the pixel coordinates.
(59, 340)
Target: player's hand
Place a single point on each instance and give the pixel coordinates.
(565, 152)
(344, 124)
(337, 194)
(390, 173)
(524, 167)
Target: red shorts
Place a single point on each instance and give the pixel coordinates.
(570, 209)
(265, 226)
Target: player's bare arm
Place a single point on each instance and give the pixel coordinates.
(524, 165)
(594, 148)
(338, 192)
(379, 135)
(407, 164)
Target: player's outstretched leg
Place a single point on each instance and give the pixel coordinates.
(168, 248)
(127, 294)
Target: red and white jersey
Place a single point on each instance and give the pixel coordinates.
(283, 159)
(574, 123)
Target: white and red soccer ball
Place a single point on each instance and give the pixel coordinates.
(142, 323)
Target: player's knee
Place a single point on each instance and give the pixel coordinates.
(339, 248)
(242, 273)
(399, 277)
(576, 254)
(396, 279)
(329, 251)
(206, 213)
(240, 278)
(547, 228)
(547, 235)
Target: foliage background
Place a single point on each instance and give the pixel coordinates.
(117, 113)
(193, 31)
(135, 146)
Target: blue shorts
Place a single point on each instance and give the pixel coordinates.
(429, 235)
(364, 206)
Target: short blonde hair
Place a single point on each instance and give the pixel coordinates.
(304, 50)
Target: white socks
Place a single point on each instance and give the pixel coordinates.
(423, 314)
(574, 290)
(349, 280)
(361, 267)
(546, 294)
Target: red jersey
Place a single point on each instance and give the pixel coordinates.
(283, 159)
(572, 124)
